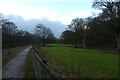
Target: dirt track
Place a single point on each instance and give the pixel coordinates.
(15, 67)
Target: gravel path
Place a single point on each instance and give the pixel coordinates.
(15, 67)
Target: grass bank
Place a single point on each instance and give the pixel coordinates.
(29, 69)
(85, 63)
(8, 54)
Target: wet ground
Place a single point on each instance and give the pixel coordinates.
(15, 67)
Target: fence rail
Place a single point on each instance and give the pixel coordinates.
(40, 68)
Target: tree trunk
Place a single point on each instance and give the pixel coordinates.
(118, 44)
(43, 42)
(118, 41)
(75, 44)
(83, 43)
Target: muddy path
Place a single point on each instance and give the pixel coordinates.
(15, 67)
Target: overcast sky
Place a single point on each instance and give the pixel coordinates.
(55, 14)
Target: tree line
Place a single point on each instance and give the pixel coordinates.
(100, 31)
(44, 34)
(12, 36)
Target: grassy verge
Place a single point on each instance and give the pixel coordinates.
(29, 69)
(8, 54)
(85, 63)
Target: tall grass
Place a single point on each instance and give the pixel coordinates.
(8, 54)
(29, 69)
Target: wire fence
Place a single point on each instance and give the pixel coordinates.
(40, 68)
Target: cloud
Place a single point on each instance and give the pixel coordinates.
(22, 8)
(29, 12)
(42, 1)
(56, 26)
(67, 18)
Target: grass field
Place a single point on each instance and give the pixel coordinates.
(86, 63)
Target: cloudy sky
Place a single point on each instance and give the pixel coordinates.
(55, 14)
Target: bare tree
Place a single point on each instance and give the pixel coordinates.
(111, 12)
(42, 32)
(78, 27)
(2, 20)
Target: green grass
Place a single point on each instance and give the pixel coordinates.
(29, 69)
(8, 54)
(88, 63)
